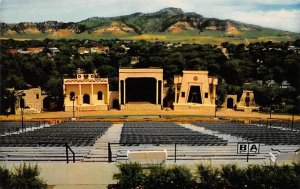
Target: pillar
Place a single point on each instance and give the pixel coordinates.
(214, 94)
(92, 94)
(120, 93)
(175, 93)
(156, 91)
(124, 91)
(107, 94)
(161, 92)
(79, 102)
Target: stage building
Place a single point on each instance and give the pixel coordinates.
(86, 92)
(141, 89)
(195, 90)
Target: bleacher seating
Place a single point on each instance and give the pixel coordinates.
(256, 133)
(165, 133)
(74, 133)
(10, 127)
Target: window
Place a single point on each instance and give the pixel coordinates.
(37, 96)
(100, 95)
(206, 95)
(86, 99)
(182, 94)
(72, 96)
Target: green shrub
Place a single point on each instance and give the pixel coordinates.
(233, 177)
(230, 176)
(281, 177)
(173, 177)
(182, 177)
(22, 177)
(130, 176)
(209, 177)
(255, 177)
(5, 177)
(158, 176)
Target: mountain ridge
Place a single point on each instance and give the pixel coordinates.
(156, 23)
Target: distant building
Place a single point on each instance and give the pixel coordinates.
(83, 50)
(285, 84)
(195, 90)
(54, 50)
(95, 49)
(100, 49)
(87, 92)
(247, 102)
(35, 50)
(230, 101)
(31, 100)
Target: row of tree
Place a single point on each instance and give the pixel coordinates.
(242, 64)
(132, 175)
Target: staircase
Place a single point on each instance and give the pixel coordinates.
(99, 152)
(137, 107)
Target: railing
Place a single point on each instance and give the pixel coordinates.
(67, 149)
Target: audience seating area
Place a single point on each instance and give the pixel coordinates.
(285, 124)
(10, 127)
(74, 133)
(256, 133)
(165, 133)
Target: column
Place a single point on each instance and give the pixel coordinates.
(107, 94)
(92, 93)
(214, 94)
(124, 97)
(175, 93)
(120, 92)
(79, 96)
(161, 92)
(156, 91)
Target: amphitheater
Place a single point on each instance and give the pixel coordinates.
(84, 154)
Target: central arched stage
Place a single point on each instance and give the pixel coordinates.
(141, 89)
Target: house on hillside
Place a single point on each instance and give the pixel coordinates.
(100, 49)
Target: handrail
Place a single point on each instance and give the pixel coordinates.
(67, 153)
(67, 149)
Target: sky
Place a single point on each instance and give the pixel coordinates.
(278, 14)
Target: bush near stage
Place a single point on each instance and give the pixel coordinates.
(22, 177)
(133, 176)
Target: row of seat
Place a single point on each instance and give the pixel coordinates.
(10, 127)
(74, 133)
(256, 133)
(165, 133)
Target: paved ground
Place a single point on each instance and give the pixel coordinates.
(75, 176)
(116, 115)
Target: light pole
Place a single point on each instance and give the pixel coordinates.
(22, 104)
(216, 107)
(72, 98)
(271, 103)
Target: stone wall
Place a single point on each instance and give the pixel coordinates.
(33, 101)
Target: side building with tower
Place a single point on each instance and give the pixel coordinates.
(86, 92)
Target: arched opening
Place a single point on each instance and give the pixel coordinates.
(195, 95)
(230, 103)
(100, 95)
(140, 90)
(86, 99)
(247, 101)
(116, 103)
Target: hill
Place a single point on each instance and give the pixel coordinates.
(169, 24)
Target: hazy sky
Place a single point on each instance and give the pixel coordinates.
(280, 14)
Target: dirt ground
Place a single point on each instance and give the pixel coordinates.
(156, 115)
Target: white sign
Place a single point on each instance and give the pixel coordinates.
(248, 148)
